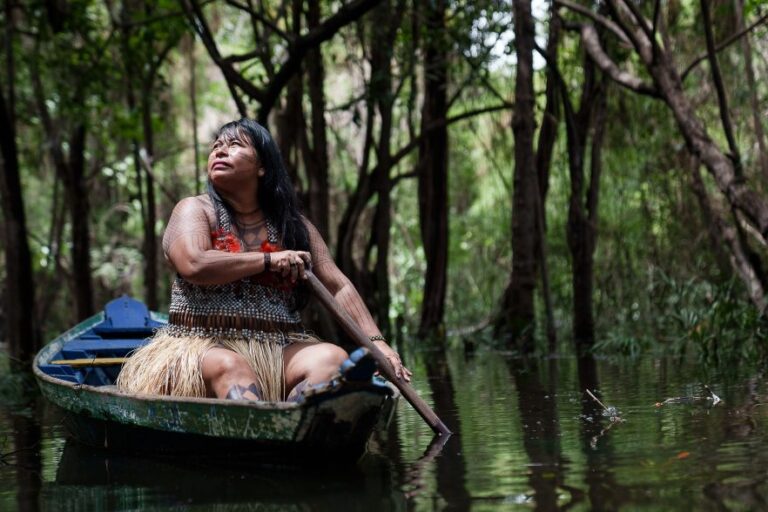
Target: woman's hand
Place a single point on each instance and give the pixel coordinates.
(290, 264)
(401, 372)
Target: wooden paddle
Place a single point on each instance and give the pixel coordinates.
(351, 328)
(91, 361)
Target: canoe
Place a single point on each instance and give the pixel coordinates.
(77, 370)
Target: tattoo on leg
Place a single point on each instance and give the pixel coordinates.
(238, 392)
(297, 390)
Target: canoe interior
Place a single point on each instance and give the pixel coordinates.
(125, 325)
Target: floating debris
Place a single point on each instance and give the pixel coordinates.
(610, 412)
(710, 400)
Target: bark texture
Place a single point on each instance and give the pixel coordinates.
(22, 330)
(433, 169)
(515, 322)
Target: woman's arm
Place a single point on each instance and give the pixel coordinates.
(188, 246)
(347, 296)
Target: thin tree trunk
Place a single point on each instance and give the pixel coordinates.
(582, 205)
(317, 158)
(80, 210)
(544, 151)
(290, 118)
(583, 248)
(23, 334)
(515, 323)
(749, 74)
(382, 44)
(58, 220)
(433, 169)
(150, 237)
(722, 98)
(193, 108)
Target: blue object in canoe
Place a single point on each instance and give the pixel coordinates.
(336, 420)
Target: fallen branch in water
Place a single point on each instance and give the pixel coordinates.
(611, 412)
(712, 399)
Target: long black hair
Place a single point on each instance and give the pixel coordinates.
(276, 196)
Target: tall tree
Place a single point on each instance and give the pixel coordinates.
(544, 150)
(515, 321)
(315, 148)
(751, 83)
(583, 202)
(23, 331)
(432, 167)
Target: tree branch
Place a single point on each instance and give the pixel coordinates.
(639, 35)
(626, 79)
(732, 39)
(269, 23)
(717, 78)
(345, 15)
(602, 20)
(232, 77)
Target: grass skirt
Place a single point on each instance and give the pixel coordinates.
(172, 365)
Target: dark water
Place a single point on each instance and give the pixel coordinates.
(527, 438)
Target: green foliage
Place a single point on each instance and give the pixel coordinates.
(648, 295)
(714, 322)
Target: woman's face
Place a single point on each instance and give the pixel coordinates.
(233, 162)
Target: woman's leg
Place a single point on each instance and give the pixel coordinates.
(311, 363)
(228, 375)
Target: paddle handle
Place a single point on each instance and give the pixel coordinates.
(352, 329)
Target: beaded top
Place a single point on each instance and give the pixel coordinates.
(260, 306)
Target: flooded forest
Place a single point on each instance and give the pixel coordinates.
(555, 210)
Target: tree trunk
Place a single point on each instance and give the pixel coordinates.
(289, 118)
(515, 323)
(727, 235)
(582, 207)
(384, 28)
(433, 169)
(22, 331)
(316, 159)
(149, 248)
(583, 251)
(80, 209)
(749, 74)
(544, 151)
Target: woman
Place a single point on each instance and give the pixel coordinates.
(240, 253)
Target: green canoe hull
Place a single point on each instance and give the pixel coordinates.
(338, 421)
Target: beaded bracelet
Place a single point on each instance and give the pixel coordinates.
(267, 261)
(378, 337)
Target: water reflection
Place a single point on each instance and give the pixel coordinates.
(540, 433)
(527, 437)
(25, 457)
(451, 468)
(89, 479)
(603, 491)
